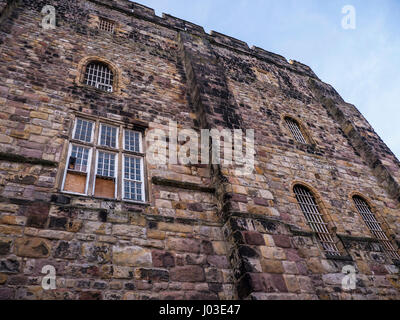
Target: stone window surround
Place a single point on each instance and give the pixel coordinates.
(302, 127)
(82, 65)
(384, 224)
(122, 126)
(324, 209)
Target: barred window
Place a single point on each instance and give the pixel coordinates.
(106, 25)
(375, 227)
(294, 128)
(104, 176)
(100, 76)
(315, 219)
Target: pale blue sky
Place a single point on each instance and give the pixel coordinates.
(362, 64)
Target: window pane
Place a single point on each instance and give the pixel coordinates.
(78, 160)
(132, 141)
(133, 190)
(83, 130)
(106, 164)
(108, 136)
(133, 183)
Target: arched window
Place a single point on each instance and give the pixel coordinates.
(99, 75)
(316, 220)
(375, 227)
(294, 128)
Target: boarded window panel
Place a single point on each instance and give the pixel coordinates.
(105, 188)
(75, 182)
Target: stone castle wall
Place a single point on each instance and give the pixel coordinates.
(204, 233)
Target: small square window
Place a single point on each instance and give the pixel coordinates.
(83, 130)
(106, 25)
(108, 136)
(132, 140)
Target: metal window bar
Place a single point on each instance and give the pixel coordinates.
(106, 165)
(133, 184)
(315, 219)
(80, 156)
(132, 141)
(375, 227)
(108, 136)
(100, 76)
(106, 25)
(83, 130)
(295, 130)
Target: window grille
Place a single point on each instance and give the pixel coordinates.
(373, 224)
(132, 141)
(83, 130)
(315, 219)
(106, 25)
(100, 76)
(133, 178)
(295, 130)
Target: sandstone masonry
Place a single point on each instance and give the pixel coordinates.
(202, 233)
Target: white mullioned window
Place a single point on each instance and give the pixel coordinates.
(94, 161)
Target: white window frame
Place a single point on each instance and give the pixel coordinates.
(116, 136)
(140, 141)
(115, 172)
(87, 169)
(141, 176)
(92, 133)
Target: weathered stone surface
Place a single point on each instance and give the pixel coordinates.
(32, 247)
(187, 274)
(205, 232)
(132, 256)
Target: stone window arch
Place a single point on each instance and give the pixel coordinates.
(315, 218)
(375, 227)
(297, 130)
(99, 73)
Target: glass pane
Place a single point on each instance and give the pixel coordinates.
(106, 164)
(78, 160)
(132, 141)
(108, 136)
(83, 130)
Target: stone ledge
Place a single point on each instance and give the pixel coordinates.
(345, 237)
(181, 185)
(11, 157)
